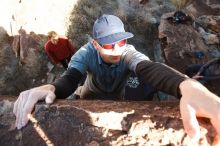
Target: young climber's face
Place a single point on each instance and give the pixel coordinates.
(111, 53)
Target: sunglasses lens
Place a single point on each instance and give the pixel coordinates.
(111, 46)
(121, 43)
(108, 46)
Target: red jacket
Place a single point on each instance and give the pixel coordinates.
(62, 50)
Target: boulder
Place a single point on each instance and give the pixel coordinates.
(209, 22)
(99, 123)
(179, 44)
(198, 8)
(22, 44)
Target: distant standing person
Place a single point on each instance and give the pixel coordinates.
(59, 49)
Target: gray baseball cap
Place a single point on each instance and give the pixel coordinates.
(109, 29)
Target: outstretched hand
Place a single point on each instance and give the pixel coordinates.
(198, 101)
(24, 105)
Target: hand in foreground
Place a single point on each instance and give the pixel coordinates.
(198, 101)
(24, 105)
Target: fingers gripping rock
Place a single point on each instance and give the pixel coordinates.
(26, 101)
(50, 98)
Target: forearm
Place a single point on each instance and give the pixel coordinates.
(47, 87)
(189, 85)
(160, 76)
(68, 83)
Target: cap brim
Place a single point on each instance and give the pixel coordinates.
(111, 39)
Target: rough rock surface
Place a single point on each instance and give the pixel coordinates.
(179, 42)
(198, 8)
(209, 22)
(14, 76)
(99, 123)
(182, 42)
(23, 42)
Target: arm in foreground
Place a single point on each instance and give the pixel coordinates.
(196, 100)
(62, 88)
(161, 77)
(24, 105)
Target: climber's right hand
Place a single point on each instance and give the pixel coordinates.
(24, 105)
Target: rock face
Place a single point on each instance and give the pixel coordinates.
(210, 22)
(99, 123)
(195, 41)
(198, 8)
(179, 43)
(23, 42)
(28, 70)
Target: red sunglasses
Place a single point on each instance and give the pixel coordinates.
(111, 46)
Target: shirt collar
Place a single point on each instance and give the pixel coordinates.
(99, 57)
(101, 61)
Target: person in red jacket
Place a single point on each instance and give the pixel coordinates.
(59, 49)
